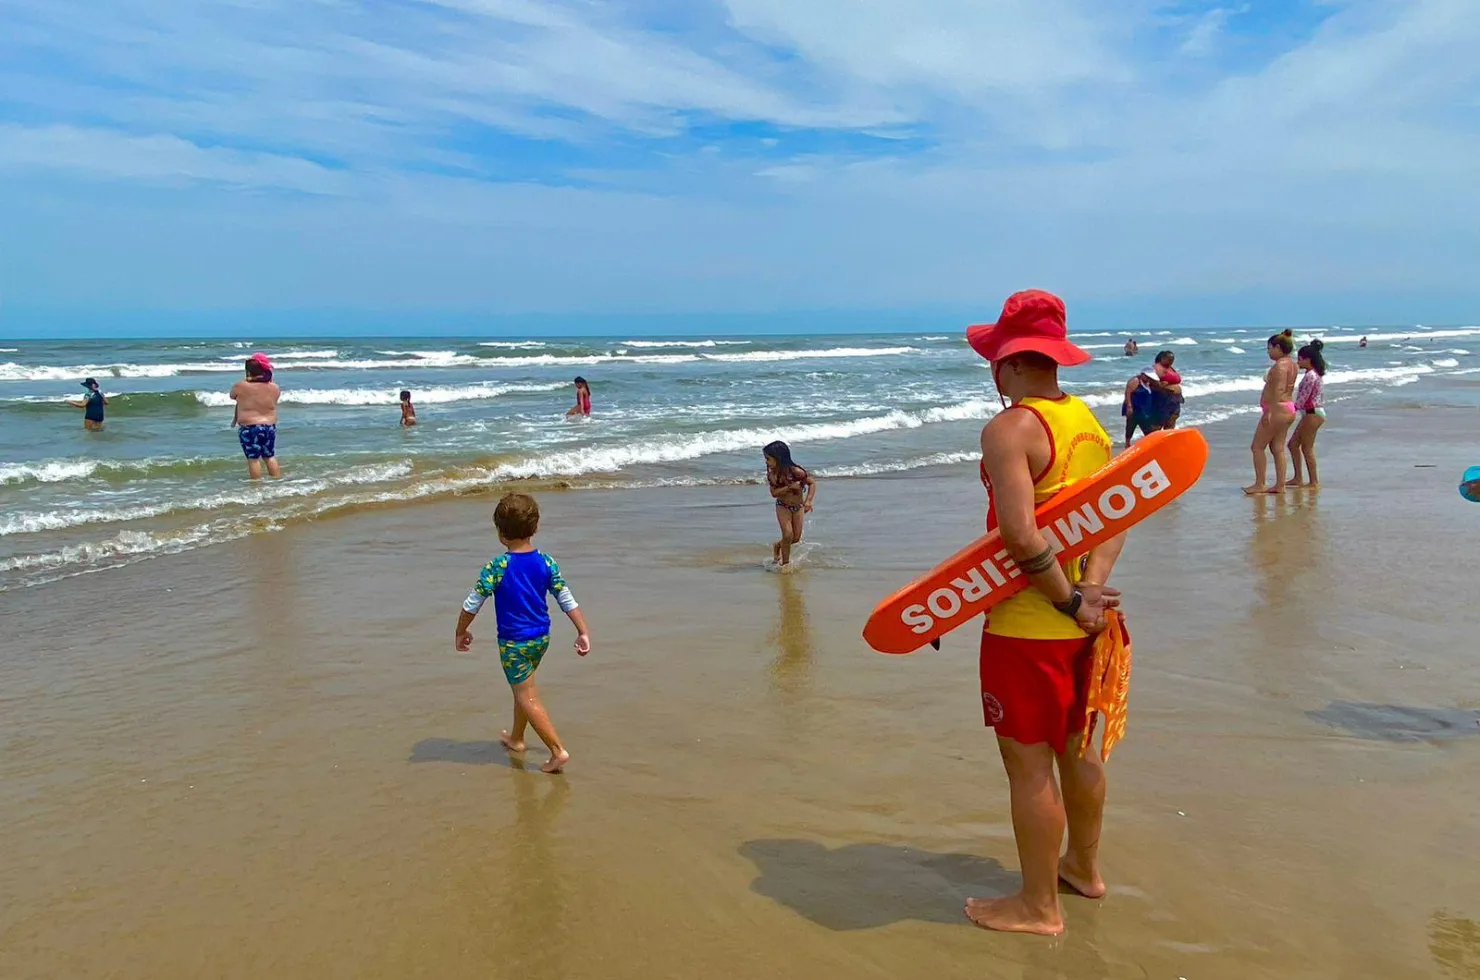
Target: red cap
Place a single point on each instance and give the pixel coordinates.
(1031, 320)
(261, 359)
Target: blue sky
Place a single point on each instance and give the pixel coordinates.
(829, 162)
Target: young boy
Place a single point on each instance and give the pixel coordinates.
(408, 411)
(518, 582)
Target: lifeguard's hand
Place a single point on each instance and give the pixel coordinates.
(463, 641)
(583, 644)
(1098, 599)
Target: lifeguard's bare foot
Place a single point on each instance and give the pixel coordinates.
(1294, 484)
(1256, 490)
(1071, 873)
(1013, 914)
(557, 762)
(513, 745)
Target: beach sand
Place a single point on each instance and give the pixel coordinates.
(264, 759)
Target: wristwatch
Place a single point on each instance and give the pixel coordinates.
(1070, 607)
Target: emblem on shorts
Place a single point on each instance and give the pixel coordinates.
(994, 708)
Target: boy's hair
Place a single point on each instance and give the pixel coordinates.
(405, 396)
(517, 516)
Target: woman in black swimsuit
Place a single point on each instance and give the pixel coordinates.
(794, 490)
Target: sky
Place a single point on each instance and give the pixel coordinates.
(367, 164)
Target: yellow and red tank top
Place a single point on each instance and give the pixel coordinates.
(1078, 446)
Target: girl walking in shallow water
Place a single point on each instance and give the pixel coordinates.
(1278, 404)
(794, 490)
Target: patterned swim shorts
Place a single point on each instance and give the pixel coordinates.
(258, 441)
(521, 658)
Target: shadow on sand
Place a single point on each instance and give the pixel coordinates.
(865, 886)
(486, 752)
(1397, 723)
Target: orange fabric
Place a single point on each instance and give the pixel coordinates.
(1109, 685)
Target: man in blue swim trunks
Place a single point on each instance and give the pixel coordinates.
(256, 413)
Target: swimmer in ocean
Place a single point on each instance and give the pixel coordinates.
(408, 411)
(92, 405)
(794, 490)
(582, 407)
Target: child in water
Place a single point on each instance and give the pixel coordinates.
(794, 491)
(582, 407)
(518, 582)
(408, 411)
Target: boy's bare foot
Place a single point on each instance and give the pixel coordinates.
(1312, 485)
(557, 762)
(1256, 490)
(1012, 914)
(508, 742)
(1088, 885)
(1294, 484)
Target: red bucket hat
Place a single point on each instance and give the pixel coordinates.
(1032, 320)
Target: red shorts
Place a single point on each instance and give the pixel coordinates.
(1035, 690)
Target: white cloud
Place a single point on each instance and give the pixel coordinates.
(112, 155)
(1206, 31)
(1054, 141)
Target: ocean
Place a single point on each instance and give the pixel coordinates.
(167, 475)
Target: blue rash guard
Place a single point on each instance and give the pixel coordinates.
(518, 583)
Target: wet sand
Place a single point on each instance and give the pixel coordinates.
(265, 760)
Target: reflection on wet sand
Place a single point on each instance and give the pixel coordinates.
(1455, 945)
(1398, 723)
(791, 670)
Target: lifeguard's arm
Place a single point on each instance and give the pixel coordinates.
(1100, 561)
(76, 404)
(1005, 444)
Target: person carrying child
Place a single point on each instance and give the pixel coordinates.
(518, 582)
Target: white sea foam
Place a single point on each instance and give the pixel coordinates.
(437, 395)
(49, 471)
(61, 470)
(900, 465)
(1447, 362)
(513, 344)
(686, 343)
(799, 355)
(1419, 334)
(11, 371)
(1237, 350)
(32, 522)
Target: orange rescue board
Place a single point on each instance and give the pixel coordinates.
(1122, 493)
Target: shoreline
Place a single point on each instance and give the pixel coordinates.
(263, 759)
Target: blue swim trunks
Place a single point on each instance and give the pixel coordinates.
(258, 441)
(521, 658)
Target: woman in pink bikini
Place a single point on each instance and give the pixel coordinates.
(1277, 404)
(582, 407)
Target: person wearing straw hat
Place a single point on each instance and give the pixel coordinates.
(256, 400)
(1036, 646)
